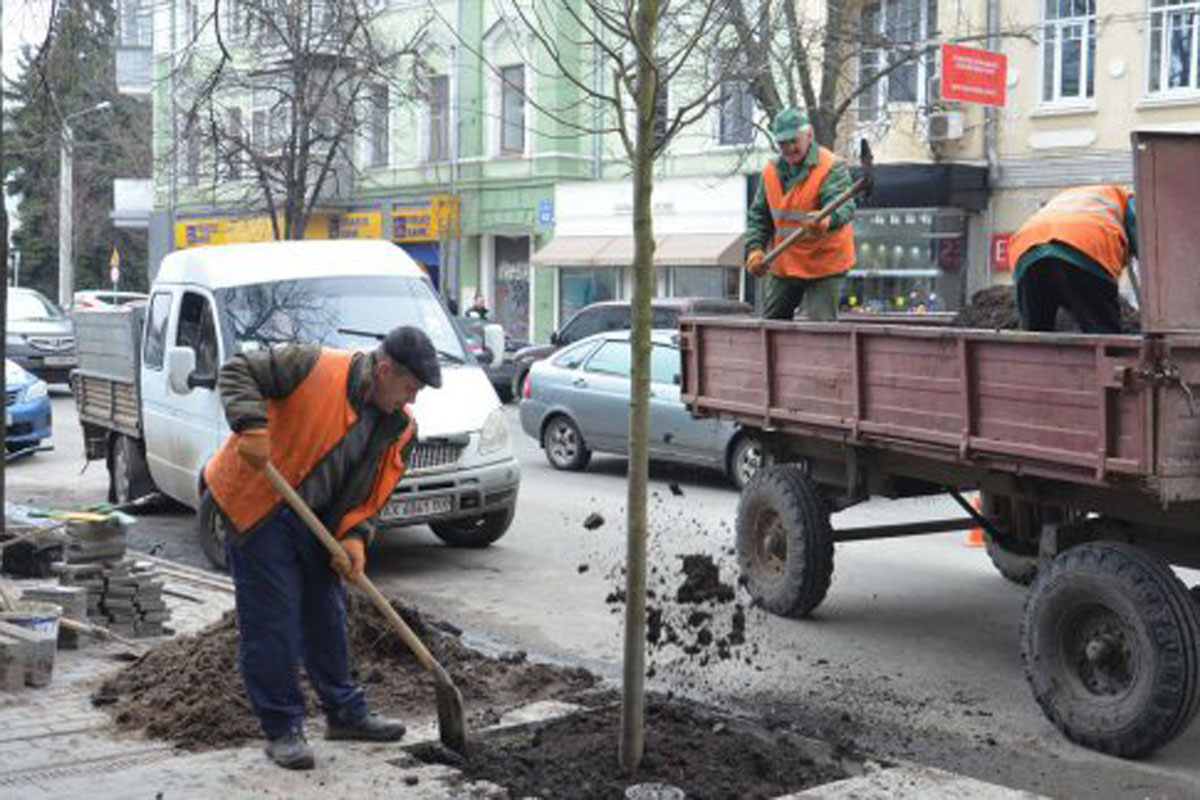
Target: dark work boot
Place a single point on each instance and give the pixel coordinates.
(368, 728)
(290, 751)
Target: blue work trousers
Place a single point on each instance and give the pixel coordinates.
(291, 605)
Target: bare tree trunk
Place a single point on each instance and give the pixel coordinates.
(3, 290)
(633, 700)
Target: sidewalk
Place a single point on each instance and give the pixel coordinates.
(53, 743)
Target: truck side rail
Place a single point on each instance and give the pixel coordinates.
(1060, 406)
(107, 402)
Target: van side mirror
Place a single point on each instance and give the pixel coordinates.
(181, 363)
(493, 340)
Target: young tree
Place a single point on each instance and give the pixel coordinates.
(640, 47)
(72, 70)
(272, 95)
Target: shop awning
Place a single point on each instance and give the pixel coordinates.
(676, 250)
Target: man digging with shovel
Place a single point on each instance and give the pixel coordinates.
(338, 427)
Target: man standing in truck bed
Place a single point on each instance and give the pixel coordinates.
(338, 427)
(1071, 253)
(805, 178)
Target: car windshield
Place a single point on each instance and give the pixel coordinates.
(339, 312)
(26, 305)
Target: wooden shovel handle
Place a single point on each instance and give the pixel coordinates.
(363, 583)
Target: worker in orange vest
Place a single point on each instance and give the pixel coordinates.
(1071, 254)
(800, 182)
(339, 427)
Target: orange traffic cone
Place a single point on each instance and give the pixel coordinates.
(975, 535)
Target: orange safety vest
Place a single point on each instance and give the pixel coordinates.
(304, 427)
(809, 256)
(1089, 218)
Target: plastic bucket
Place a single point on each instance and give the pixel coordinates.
(41, 619)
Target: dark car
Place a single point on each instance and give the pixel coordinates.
(41, 337)
(615, 315)
(503, 375)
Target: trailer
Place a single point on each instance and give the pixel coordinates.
(1085, 449)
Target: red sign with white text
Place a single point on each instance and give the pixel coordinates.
(973, 76)
(1000, 260)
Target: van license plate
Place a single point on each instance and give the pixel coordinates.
(418, 507)
(59, 361)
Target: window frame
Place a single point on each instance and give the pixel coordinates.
(437, 148)
(157, 338)
(509, 91)
(1050, 94)
(1158, 78)
(616, 344)
(872, 105)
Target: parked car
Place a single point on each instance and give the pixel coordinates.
(98, 298)
(27, 416)
(615, 315)
(41, 337)
(577, 402)
(502, 375)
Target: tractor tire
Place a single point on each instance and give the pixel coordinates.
(784, 542)
(1110, 640)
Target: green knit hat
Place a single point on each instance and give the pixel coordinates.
(788, 123)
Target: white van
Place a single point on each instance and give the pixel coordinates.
(208, 303)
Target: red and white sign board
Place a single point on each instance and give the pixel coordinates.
(973, 76)
(1000, 260)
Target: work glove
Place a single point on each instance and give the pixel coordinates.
(754, 263)
(356, 551)
(254, 445)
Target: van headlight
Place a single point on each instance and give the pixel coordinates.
(494, 435)
(35, 391)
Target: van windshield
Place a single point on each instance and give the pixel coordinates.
(332, 311)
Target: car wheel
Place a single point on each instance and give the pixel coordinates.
(128, 475)
(746, 459)
(212, 532)
(564, 445)
(785, 542)
(1110, 640)
(478, 531)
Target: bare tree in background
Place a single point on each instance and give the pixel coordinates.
(642, 72)
(273, 96)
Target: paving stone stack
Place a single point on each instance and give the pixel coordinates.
(122, 595)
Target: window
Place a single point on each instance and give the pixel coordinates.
(512, 109)
(439, 117)
(198, 331)
(135, 24)
(236, 21)
(595, 320)
(236, 136)
(737, 113)
(664, 364)
(662, 107)
(1068, 51)
(377, 126)
(270, 120)
(572, 357)
(1174, 48)
(582, 287)
(894, 33)
(156, 330)
(612, 358)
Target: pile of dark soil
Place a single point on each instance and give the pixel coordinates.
(995, 308)
(190, 691)
(702, 753)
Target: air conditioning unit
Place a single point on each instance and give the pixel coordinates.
(946, 126)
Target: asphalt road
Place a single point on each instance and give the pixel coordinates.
(914, 654)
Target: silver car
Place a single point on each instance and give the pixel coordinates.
(41, 337)
(577, 402)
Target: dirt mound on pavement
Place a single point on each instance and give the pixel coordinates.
(190, 691)
(995, 308)
(705, 754)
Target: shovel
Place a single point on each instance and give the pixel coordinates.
(452, 726)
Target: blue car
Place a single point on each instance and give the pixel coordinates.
(27, 408)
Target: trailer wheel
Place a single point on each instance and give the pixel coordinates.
(478, 531)
(212, 532)
(784, 542)
(1110, 640)
(1016, 557)
(128, 475)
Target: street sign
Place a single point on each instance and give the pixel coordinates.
(546, 211)
(973, 76)
(114, 266)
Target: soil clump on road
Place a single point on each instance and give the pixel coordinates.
(705, 754)
(190, 691)
(995, 308)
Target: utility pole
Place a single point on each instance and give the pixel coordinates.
(66, 203)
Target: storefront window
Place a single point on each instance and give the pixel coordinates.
(698, 282)
(581, 287)
(909, 260)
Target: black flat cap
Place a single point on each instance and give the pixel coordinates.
(410, 348)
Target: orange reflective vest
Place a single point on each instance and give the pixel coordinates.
(809, 256)
(1089, 218)
(304, 427)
